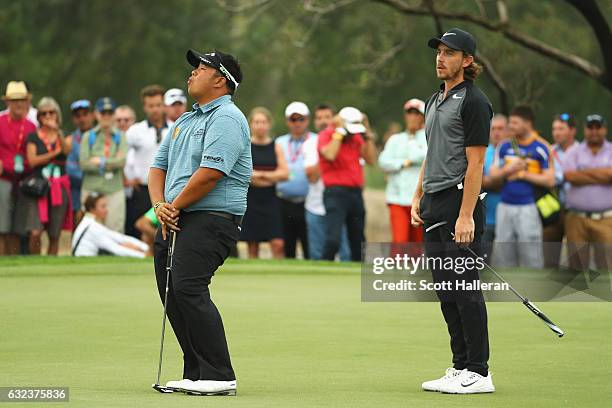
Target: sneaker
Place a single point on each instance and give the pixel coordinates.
(435, 385)
(469, 382)
(178, 385)
(209, 387)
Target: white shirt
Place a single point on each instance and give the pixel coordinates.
(98, 237)
(314, 198)
(142, 145)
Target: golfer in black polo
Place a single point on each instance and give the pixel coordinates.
(198, 184)
(457, 122)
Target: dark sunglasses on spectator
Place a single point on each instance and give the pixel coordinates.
(107, 112)
(80, 113)
(594, 125)
(297, 119)
(45, 113)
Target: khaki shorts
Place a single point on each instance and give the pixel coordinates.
(7, 203)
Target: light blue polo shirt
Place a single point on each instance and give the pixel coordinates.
(216, 136)
(297, 185)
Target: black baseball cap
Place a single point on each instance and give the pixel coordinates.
(595, 119)
(457, 39)
(224, 63)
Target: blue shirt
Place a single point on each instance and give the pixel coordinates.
(537, 155)
(215, 136)
(297, 185)
(492, 197)
(73, 168)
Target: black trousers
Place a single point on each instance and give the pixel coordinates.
(294, 227)
(465, 312)
(135, 207)
(202, 245)
(343, 205)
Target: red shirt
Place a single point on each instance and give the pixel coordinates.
(346, 170)
(13, 135)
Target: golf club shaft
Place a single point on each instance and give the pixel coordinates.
(525, 301)
(168, 268)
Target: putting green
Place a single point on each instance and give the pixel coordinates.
(299, 337)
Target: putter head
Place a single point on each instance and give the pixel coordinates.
(162, 389)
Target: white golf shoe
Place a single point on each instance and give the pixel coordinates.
(178, 384)
(209, 387)
(435, 385)
(469, 382)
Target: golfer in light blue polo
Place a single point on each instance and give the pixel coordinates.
(198, 185)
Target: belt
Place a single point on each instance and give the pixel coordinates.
(291, 199)
(594, 215)
(481, 196)
(236, 219)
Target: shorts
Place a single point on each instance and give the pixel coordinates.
(7, 204)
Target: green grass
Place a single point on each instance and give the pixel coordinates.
(299, 337)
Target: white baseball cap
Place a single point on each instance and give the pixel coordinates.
(173, 96)
(415, 104)
(297, 108)
(353, 119)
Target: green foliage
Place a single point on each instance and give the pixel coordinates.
(73, 49)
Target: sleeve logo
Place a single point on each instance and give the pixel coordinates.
(216, 159)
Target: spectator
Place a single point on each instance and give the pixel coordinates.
(262, 221)
(588, 169)
(125, 117)
(401, 160)
(143, 140)
(313, 206)
(523, 164)
(92, 238)
(14, 126)
(31, 111)
(147, 226)
(292, 193)
(563, 134)
(83, 119)
(46, 151)
(498, 133)
(341, 149)
(392, 129)
(102, 160)
(175, 104)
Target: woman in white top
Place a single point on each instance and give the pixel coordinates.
(92, 238)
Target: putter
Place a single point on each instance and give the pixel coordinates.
(157, 386)
(532, 308)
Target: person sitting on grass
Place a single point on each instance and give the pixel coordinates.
(147, 225)
(92, 237)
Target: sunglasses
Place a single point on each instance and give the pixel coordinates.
(107, 112)
(45, 113)
(594, 125)
(300, 119)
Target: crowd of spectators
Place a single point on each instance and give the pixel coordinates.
(306, 193)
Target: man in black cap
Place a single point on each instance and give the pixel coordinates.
(457, 124)
(198, 185)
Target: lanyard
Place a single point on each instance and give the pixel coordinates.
(20, 137)
(107, 146)
(294, 155)
(43, 137)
